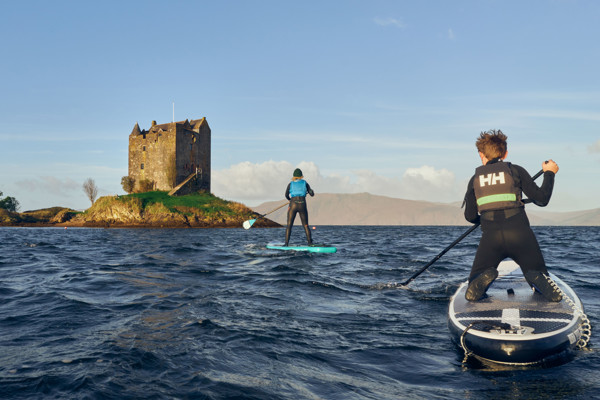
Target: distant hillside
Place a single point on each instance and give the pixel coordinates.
(575, 218)
(368, 209)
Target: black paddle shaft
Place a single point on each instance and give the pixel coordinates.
(540, 172)
(464, 235)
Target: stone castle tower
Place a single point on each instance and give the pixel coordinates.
(171, 155)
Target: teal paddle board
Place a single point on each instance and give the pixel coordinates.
(318, 248)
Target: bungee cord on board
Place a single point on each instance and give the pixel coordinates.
(585, 329)
(585, 326)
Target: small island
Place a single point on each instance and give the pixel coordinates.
(155, 209)
(168, 186)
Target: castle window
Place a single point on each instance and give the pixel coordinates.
(144, 136)
(143, 148)
(142, 166)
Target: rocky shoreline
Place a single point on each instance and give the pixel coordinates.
(131, 212)
(258, 224)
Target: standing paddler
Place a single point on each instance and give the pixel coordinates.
(296, 192)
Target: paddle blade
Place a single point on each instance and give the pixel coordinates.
(248, 224)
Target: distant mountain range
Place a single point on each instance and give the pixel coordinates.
(368, 209)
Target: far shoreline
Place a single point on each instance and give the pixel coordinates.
(97, 225)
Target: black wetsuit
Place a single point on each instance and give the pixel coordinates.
(507, 233)
(297, 206)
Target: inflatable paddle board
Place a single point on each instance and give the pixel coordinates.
(310, 249)
(514, 324)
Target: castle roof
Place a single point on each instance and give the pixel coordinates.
(191, 125)
(136, 130)
(194, 125)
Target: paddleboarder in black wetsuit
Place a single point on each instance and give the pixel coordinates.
(296, 192)
(494, 198)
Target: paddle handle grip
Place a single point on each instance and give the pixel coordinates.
(540, 172)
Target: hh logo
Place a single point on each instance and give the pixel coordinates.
(491, 179)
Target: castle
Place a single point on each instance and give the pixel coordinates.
(173, 156)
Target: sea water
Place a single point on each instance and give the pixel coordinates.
(212, 314)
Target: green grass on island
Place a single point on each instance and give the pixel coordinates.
(158, 208)
(206, 202)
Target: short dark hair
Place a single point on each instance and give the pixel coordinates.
(492, 144)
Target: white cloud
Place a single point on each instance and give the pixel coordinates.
(557, 114)
(428, 174)
(427, 183)
(48, 191)
(389, 21)
(253, 184)
(451, 34)
(50, 184)
(594, 147)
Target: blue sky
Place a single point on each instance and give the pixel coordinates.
(385, 97)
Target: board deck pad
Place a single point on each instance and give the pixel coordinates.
(513, 315)
(318, 248)
(508, 298)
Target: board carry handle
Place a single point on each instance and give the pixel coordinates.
(464, 235)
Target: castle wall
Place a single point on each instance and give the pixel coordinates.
(150, 154)
(193, 156)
